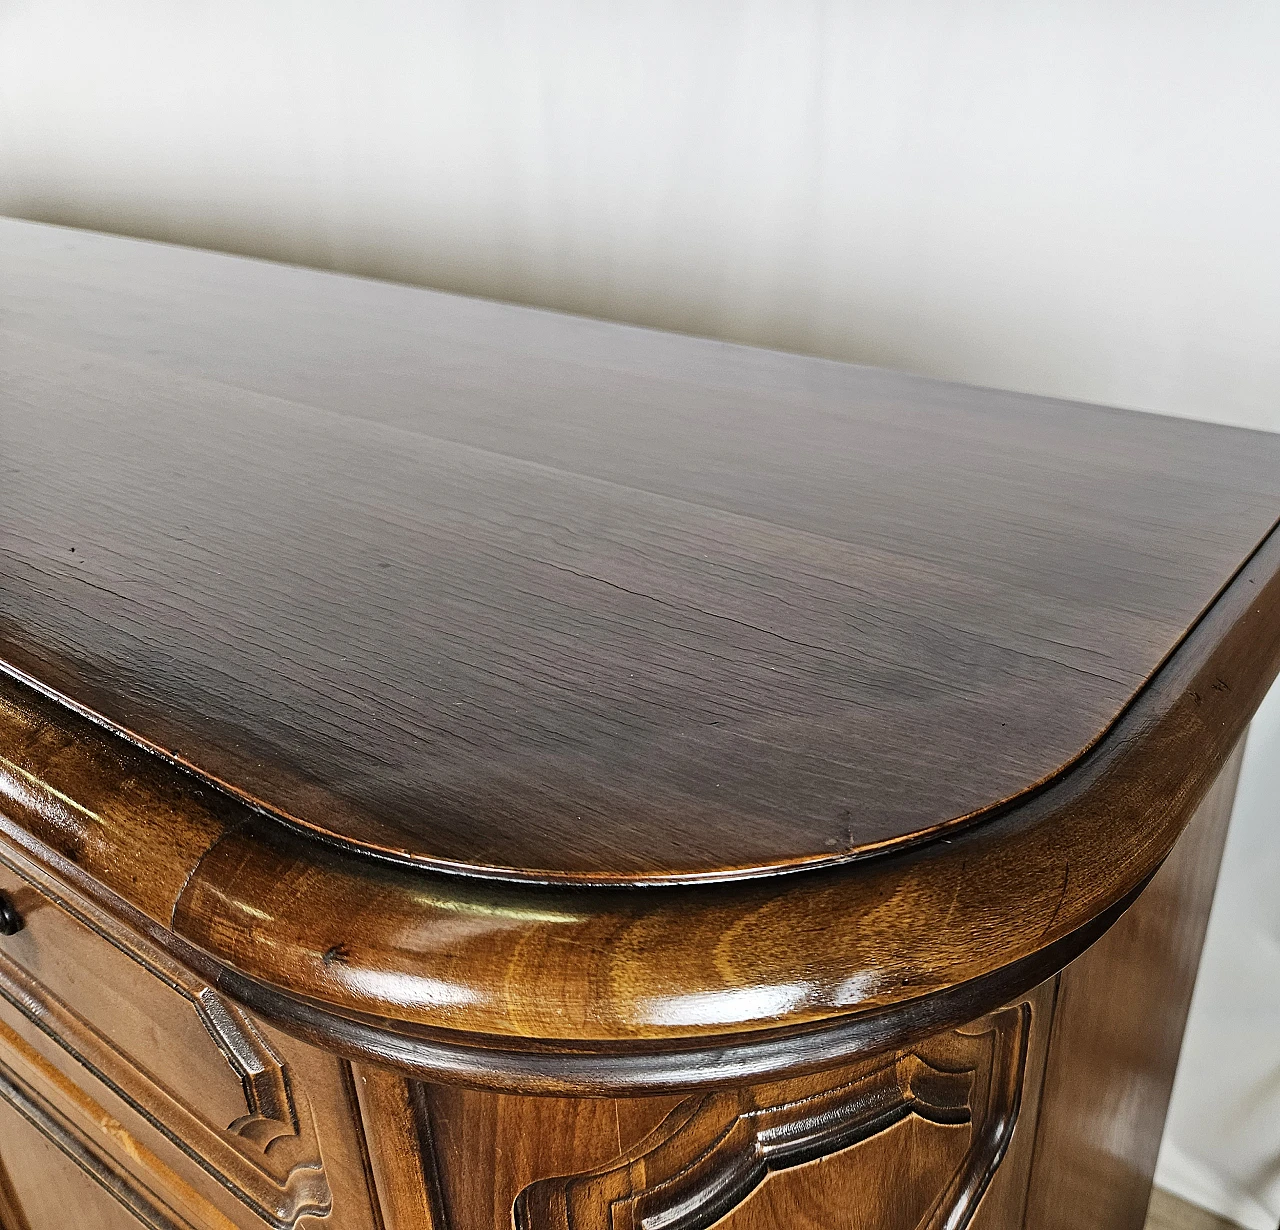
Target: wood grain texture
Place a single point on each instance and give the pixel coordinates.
(711, 1154)
(954, 1130)
(525, 595)
(11, 1215)
(135, 1054)
(51, 1190)
(402, 1155)
(844, 1148)
(170, 1101)
(627, 969)
(794, 725)
(491, 1146)
(590, 983)
(1117, 1034)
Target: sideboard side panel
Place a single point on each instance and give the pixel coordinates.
(1117, 1032)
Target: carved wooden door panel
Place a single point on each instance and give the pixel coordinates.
(937, 1136)
(712, 1153)
(134, 1094)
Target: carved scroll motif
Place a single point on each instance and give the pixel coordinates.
(268, 1156)
(711, 1152)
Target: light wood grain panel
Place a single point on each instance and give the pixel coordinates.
(52, 1192)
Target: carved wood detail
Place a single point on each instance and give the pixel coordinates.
(711, 1152)
(268, 1097)
(396, 688)
(401, 1154)
(268, 1157)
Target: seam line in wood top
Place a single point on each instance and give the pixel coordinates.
(1118, 823)
(380, 756)
(267, 904)
(869, 851)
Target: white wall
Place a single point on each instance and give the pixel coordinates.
(1075, 199)
(1222, 1141)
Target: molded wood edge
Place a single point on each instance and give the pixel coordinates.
(504, 593)
(573, 1069)
(378, 940)
(349, 943)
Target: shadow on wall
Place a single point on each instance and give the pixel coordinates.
(1068, 201)
(692, 301)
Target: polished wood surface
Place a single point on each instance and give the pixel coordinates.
(830, 1150)
(467, 768)
(959, 1130)
(536, 596)
(133, 1093)
(1111, 1074)
(579, 989)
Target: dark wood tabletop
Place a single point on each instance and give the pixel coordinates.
(540, 597)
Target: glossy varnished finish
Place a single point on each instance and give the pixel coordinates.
(934, 936)
(523, 594)
(825, 1150)
(463, 767)
(131, 1093)
(1112, 1071)
(1071, 1109)
(954, 1132)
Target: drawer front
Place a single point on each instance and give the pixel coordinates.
(165, 1097)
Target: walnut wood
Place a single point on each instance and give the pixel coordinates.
(843, 1151)
(481, 765)
(821, 1142)
(329, 927)
(1114, 817)
(50, 1189)
(589, 1069)
(492, 1146)
(402, 1154)
(11, 1215)
(530, 595)
(146, 1096)
(1111, 1073)
(451, 1157)
(712, 1153)
(920, 939)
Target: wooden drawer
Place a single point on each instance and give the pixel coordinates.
(179, 1108)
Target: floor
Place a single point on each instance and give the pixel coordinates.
(1167, 1212)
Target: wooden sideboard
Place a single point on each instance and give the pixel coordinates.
(467, 767)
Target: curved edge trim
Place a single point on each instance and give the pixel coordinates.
(715, 1063)
(953, 826)
(713, 1151)
(996, 899)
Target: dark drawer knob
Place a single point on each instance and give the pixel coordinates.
(10, 919)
